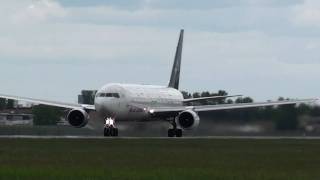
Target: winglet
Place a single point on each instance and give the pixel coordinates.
(175, 74)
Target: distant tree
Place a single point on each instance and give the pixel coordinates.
(186, 95)
(205, 101)
(205, 94)
(46, 115)
(221, 100)
(247, 100)
(244, 100)
(222, 93)
(304, 109)
(239, 100)
(286, 118)
(3, 103)
(10, 104)
(229, 101)
(266, 113)
(283, 99)
(315, 111)
(196, 95)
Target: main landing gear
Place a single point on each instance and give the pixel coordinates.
(109, 128)
(174, 132)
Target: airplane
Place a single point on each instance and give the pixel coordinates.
(133, 102)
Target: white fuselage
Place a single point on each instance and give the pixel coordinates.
(123, 101)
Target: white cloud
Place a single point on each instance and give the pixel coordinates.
(72, 34)
(37, 11)
(225, 48)
(307, 14)
(215, 4)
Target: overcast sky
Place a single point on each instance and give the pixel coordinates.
(260, 48)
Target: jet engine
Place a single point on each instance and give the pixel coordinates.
(188, 120)
(78, 118)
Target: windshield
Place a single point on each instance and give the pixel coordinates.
(115, 95)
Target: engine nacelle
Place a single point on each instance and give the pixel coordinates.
(188, 120)
(78, 118)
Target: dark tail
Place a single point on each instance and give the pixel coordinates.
(175, 74)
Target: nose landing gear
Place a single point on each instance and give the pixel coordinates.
(109, 128)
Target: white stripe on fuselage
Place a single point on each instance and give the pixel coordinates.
(123, 108)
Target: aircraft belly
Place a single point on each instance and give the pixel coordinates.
(122, 113)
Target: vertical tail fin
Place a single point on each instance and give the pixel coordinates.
(175, 74)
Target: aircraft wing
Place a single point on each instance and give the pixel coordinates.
(207, 98)
(49, 103)
(155, 110)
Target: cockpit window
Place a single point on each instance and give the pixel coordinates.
(100, 95)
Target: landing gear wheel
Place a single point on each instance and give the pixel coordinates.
(114, 132)
(117, 132)
(179, 132)
(175, 133)
(171, 133)
(109, 127)
(110, 131)
(106, 132)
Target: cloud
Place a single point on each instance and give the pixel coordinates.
(214, 4)
(123, 4)
(37, 11)
(98, 33)
(229, 46)
(307, 14)
(65, 34)
(232, 19)
(178, 4)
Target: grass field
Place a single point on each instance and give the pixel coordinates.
(159, 159)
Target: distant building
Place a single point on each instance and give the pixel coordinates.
(22, 105)
(11, 117)
(87, 97)
(16, 119)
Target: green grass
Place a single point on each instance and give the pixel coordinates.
(219, 159)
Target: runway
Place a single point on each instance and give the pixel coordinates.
(184, 138)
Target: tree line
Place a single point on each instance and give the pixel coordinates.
(6, 104)
(285, 117)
